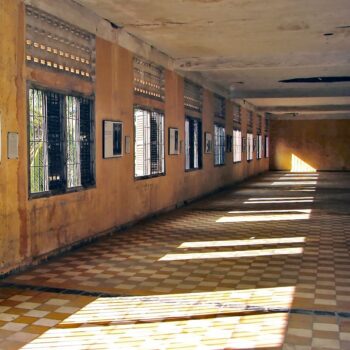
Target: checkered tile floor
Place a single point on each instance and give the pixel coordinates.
(264, 265)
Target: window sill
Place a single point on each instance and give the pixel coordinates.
(219, 165)
(192, 170)
(146, 177)
(60, 192)
(237, 162)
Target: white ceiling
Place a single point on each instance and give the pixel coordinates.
(248, 46)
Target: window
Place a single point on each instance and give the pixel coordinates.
(266, 147)
(193, 143)
(219, 145)
(259, 147)
(149, 142)
(249, 146)
(237, 146)
(60, 142)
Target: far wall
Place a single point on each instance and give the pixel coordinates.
(321, 144)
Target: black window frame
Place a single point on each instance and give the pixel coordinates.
(191, 121)
(220, 145)
(234, 146)
(266, 146)
(150, 110)
(87, 182)
(259, 147)
(249, 159)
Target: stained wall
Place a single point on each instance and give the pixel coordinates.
(33, 228)
(322, 144)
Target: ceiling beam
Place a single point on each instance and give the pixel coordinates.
(297, 60)
(329, 91)
(304, 109)
(315, 116)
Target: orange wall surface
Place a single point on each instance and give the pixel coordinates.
(33, 228)
(320, 144)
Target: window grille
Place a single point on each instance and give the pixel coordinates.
(149, 142)
(149, 79)
(55, 140)
(219, 145)
(259, 147)
(54, 44)
(60, 142)
(237, 146)
(86, 142)
(249, 146)
(219, 106)
(266, 148)
(193, 143)
(193, 96)
(250, 121)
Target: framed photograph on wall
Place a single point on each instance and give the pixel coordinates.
(228, 143)
(244, 144)
(208, 142)
(174, 142)
(112, 139)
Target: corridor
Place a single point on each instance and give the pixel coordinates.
(263, 265)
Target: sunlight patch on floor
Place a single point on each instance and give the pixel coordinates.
(272, 200)
(234, 254)
(271, 211)
(293, 183)
(208, 320)
(242, 242)
(265, 217)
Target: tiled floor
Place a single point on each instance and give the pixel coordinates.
(265, 265)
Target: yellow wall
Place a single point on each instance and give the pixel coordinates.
(13, 236)
(322, 144)
(33, 228)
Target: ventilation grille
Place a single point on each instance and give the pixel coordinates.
(267, 124)
(259, 124)
(219, 106)
(237, 116)
(148, 79)
(56, 45)
(193, 96)
(250, 121)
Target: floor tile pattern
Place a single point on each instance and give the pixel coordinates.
(263, 265)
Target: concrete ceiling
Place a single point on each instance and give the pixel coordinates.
(248, 46)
